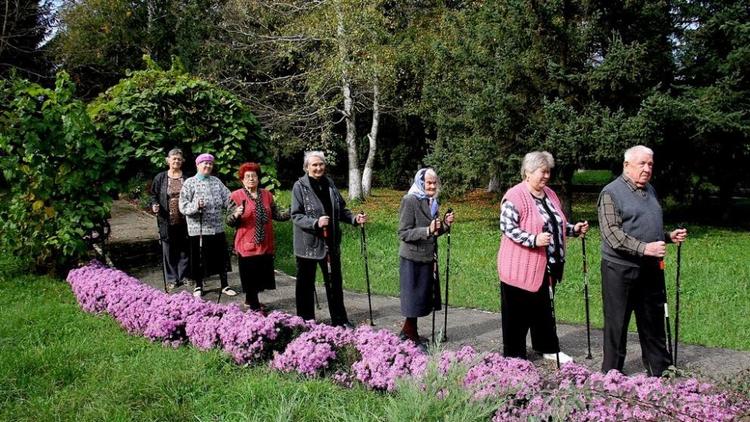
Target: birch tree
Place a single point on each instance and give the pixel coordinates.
(320, 65)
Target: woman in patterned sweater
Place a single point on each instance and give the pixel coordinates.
(203, 200)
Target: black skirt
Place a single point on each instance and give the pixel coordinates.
(214, 256)
(420, 288)
(256, 273)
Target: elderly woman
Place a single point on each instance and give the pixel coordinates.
(317, 209)
(252, 214)
(165, 203)
(531, 259)
(203, 199)
(418, 229)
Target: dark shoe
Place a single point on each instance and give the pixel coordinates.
(346, 324)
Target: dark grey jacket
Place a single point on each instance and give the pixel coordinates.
(306, 209)
(414, 219)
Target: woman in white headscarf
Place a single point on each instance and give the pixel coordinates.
(418, 230)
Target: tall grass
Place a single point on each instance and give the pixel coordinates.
(715, 267)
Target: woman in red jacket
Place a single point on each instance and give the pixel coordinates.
(253, 242)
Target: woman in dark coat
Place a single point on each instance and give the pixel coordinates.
(418, 229)
(252, 214)
(317, 209)
(165, 203)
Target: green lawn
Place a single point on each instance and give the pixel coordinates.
(59, 363)
(715, 275)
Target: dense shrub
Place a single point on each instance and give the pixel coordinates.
(145, 115)
(52, 162)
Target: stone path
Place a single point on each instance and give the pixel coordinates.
(134, 247)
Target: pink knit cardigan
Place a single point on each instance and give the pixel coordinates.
(518, 265)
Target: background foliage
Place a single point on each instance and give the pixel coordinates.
(145, 115)
(53, 162)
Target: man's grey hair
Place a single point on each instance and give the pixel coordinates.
(311, 154)
(638, 148)
(535, 160)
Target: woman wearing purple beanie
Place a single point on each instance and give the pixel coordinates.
(203, 199)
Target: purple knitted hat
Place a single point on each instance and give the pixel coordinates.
(203, 158)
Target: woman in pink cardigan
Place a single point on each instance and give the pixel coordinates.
(251, 214)
(531, 259)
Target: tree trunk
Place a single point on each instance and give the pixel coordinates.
(493, 185)
(372, 137)
(355, 180)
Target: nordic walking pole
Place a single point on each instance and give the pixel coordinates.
(586, 294)
(677, 299)
(200, 246)
(447, 277)
(434, 280)
(327, 278)
(666, 316)
(554, 321)
(363, 243)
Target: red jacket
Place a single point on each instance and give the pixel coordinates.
(244, 240)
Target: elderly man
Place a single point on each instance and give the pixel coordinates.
(633, 248)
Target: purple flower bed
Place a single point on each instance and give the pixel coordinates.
(377, 358)
(323, 348)
(385, 358)
(251, 337)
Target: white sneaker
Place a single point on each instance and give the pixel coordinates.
(197, 292)
(553, 356)
(229, 291)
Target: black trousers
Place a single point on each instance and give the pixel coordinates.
(305, 289)
(625, 290)
(256, 275)
(175, 252)
(521, 311)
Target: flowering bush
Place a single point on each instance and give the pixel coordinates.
(251, 337)
(511, 388)
(577, 394)
(323, 348)
(202, 326)
(385, 358)
(168, 317)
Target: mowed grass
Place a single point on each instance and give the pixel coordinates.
(59, 363)
(715, 266)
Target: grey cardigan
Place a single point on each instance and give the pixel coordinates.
(306, 209)
(414, 219)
